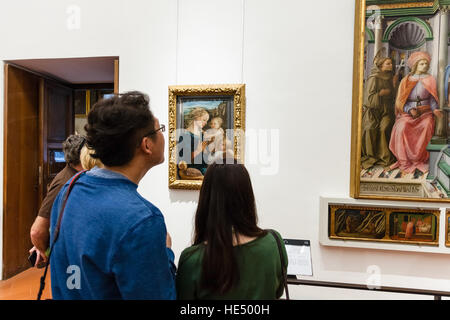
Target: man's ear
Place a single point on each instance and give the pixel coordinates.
(147, 145)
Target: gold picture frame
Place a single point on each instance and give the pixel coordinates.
(82, 103)
(380, 28)
(382, 224)
(447, 226)
(222, 110)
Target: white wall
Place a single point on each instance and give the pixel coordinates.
(295, 58)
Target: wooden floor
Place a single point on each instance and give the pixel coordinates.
(25, 286)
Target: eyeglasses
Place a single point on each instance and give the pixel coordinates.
(162, 128)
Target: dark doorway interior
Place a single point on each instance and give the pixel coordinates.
(46, 100)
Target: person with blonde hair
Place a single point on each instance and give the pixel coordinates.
(192, 146)
(88, 162)
(196, 114)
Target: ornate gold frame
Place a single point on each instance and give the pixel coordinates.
(88, 105)
(388, 211)
(357, 100)
(447, 240)
(237, 91)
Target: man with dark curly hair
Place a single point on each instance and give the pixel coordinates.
(113, 243)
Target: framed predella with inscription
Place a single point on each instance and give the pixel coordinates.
(400, 116)
(384, 224)
(206, 125)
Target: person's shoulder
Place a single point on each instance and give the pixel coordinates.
(273, 246)
(123, 195)
(65, 178)
(67, 170)
(137, 211)
(270, 235)
(373, 77)
(405, 81)
(407, 76)
(146, 205)
(277, 233)
(429, 77)
(265, 240)
(116, 199)
(62, 177)
(190, 250)
(190, 253)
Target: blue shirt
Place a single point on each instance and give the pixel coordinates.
(112, 242)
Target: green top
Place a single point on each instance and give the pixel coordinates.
(259, 266)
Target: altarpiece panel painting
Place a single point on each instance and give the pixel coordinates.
(400, 126)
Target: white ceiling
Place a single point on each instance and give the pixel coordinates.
(73, 70)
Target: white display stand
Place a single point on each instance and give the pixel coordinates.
(325, 241)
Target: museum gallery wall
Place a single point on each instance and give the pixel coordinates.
(297, 92)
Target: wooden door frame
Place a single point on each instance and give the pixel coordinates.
(42, 82)
(116, 76)
(5, 146)
(40, 143)
(8, 218)
(5, 172)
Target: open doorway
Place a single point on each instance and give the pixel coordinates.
(45, 101)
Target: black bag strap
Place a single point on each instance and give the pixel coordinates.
(283, 263)
(56, 232)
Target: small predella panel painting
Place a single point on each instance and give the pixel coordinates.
(382, 224)
(206, 125)
(400, 118)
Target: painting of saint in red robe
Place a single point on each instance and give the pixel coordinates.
(416, 106)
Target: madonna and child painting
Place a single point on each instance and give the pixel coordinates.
(206, 124)
(202, 139)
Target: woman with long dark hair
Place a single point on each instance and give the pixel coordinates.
(231, 257)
